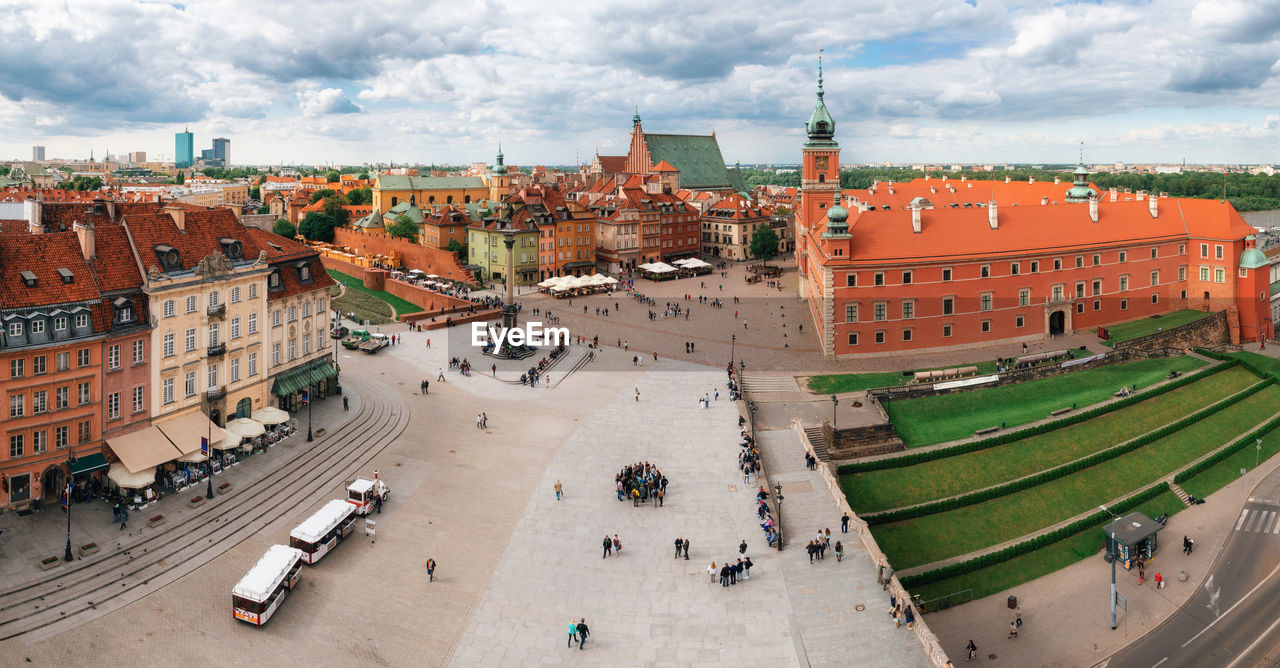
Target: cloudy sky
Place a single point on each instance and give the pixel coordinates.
(423, 81)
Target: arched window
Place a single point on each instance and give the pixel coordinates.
(468, 199)
(822, 178)
(394, 201)
(449, 200)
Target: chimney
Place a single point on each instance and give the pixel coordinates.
(1154, 206)
(991, 215)
(963, 178)
(1141, 194)
(31, 210)
(1056, 180)
(1006, 179)
(1114, 194)
(179, 216)
(88, 240)
(1093, 209)
(933, 189)
(1044, 201)
(915, 219)
(1031, 180)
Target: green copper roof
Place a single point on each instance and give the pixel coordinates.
(1252, 258)
(837, 216)
(499, 168)
(404, 209)
(371, 220)
(820, 127)
(696, 156)
(395, 182)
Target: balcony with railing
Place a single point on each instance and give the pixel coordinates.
(216, 310)
(217, 350)
(215, 393)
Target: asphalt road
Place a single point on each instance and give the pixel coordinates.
(1234, 619)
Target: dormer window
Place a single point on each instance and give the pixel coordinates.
(67, 276)
(231, 248)
(273, 281)
(124, 310)
(168, 256)
(304, 272)
(29, 279)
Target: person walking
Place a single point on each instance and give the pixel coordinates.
(583, 632)
(426, 386)
(742, 547)
(484, 420)
(839, 552)
(440, 374)
(617, 546)
(637, 394)
(431, 570)
(573, 633)
(479, 422)
(345, 405)
(559, 490)
(495, 370)
(686, 543)
(746, 568)
(608, 547)
(971, 648)
(679, 546)
(1013, 629)
(811, 550)
(844, 523)
(711, 572)
(1159, 581)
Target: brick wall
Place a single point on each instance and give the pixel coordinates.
(1206, 332)
(416, 256)
(434, 304)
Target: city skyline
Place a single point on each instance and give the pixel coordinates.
(940, 81)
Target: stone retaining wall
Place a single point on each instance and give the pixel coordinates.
(876, 439)
(1205, 333)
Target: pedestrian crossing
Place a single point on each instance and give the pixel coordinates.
(1258, 520)
(752, 383)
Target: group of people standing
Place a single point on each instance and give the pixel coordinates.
(732, 572)
(641, 482)
(817, 547)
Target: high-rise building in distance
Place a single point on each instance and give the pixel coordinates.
(222, 150)
(183, 149)
(37, 153)
(137, 157)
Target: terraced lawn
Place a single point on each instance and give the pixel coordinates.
(874, 491)
(856, 382)
(1227, 471)
(352, 283)
(1135, 328)
(948, 417)
(1025, 568)
(933, 537)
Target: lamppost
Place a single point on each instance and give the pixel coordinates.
(733, 339)
(834, 402)
(1111, 553)
(208, 459)
(777, 488)
(71, 460)
(307, 397)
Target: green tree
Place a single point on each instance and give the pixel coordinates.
(360, 196)
(4, 171)
(332, 176)
(322, 193)
(334, 208)
(764, 244)
(403, 227)
(284, 228)
(82, 182)
(317, 227)
(255, 193)
(364, 176)
(182, 178)
(456, 248)
(264, 209)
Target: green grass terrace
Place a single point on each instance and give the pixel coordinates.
(352, 283)
(884, 489)
(856, 382)
(948, 417)
(957, 532)
(1136, 328)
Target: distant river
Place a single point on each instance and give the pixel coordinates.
(1262, 219)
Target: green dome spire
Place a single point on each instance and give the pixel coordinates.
(837, 218)
(820, 127)
(1080, 190)
(499, 168)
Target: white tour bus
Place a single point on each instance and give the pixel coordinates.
(256, 597)
(320, 532)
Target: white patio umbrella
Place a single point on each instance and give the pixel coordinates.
(245, 427)
(271, 415)
(192, 457)
(228, 443)
(124, 478)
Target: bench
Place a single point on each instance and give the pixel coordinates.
(984, 432)
(1060, 411)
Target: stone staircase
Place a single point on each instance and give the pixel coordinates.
(758, 384)
(819, 442)
(1181, 493)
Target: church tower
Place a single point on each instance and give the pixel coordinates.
(820, 171)
(499, 181)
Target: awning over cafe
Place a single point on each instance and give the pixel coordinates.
(291, 381)
(144, 449)
(87, 464)
(186, 431)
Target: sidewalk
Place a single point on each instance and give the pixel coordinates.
(28, 540)
(826, 595)
(1066, 614)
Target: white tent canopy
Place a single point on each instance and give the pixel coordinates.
(271, 415)
(131, 480)
(658, 268)
(245, 427)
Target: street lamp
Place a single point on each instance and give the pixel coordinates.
(834, 402)
(309, 402)
(733, 338)
(208, 460)
(71, 460)
(1257, 456)
(777, 488)
(1111, 552)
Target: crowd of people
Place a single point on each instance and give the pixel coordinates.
(732, 571)
(817, 547)
(641, 482)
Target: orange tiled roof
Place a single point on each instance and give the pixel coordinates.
(203, 229)
(114, 264)
(737, 208)
(613, 164)
(43, 255)
(664, 166)
(881, 236)
(973, 191)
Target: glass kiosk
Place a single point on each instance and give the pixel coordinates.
(1134, 537)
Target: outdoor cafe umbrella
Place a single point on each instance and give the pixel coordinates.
(124, 478)
(228, 443)
(271, 415)
(245, 427)
(192, 457)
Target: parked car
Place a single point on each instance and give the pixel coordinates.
(357, 337)
(375, 343)
(338, 332)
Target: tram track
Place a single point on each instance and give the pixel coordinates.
(64, 600)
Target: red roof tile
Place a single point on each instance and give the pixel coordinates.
(43, 255)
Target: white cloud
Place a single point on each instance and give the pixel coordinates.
(326, 101)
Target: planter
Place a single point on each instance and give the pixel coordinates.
(156, 521)
(51, 562)
(224, 488)
(86, 550)
(195, 501)
(319, 432)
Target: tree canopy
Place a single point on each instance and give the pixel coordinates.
(284, 228)
(360, 196)
(322, 193)
(403, 227)
(456, 248)
(82, 182)
(333, 207)
(764, 243)
(317, 227)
